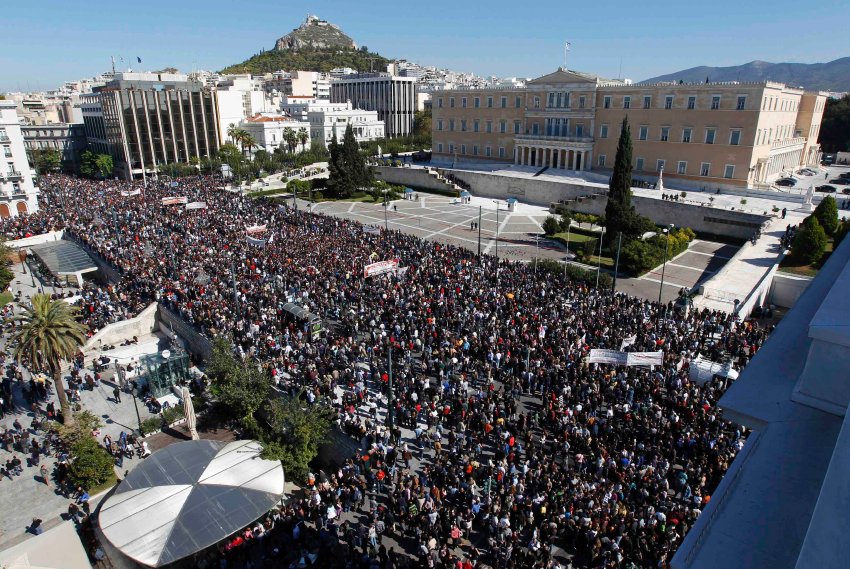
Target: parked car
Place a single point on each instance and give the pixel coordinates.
(806, 172)
(845, 175)
(841, 181)
(788, 182)
(827, 189)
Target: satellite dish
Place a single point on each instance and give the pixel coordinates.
(166, 354)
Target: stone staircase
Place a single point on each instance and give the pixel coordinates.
(567, 205)
(438, 175)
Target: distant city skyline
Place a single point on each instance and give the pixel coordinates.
(61, 42)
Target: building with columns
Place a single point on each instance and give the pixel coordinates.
(707, 135)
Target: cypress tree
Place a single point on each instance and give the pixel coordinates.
(827, 214)
(619, 210)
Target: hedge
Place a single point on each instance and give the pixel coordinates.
(574, 273)
(637, 256)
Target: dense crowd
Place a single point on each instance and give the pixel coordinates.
(508, 447)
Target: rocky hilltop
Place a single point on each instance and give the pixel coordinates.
(315, 34)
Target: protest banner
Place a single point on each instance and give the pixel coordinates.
(380, 268)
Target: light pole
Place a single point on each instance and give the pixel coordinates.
(664, 266)
(390, 403)
(599, 258)
(617, 262)
(497, 242)
(479, 234)
(136, 405)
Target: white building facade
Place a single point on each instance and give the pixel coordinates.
(327, 119)
(18, 193)
(394, 98)
(269, 131)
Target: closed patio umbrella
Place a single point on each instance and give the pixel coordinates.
(189, 412)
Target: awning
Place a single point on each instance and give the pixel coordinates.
(189, 496)
(56, 548)
(64, 257)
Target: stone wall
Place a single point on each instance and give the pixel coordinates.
(590, 198)
(415, 178)
(786, 289)
(195, 343)
(117, 332)
(35, 240)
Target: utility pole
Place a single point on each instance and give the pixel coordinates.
(235, 294)
(390, 398)
(617, 262)
(479, 234)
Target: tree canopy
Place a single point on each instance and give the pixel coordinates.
(810, 241)
(347, 170)
(309, 60)
(835, 125)
(827, 214)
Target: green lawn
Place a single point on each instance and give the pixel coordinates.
(5, 298)
(794, 266)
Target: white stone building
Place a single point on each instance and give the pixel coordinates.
(327, 119)
(269, 130)
(18, 193)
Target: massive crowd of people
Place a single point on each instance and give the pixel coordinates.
(509, 448)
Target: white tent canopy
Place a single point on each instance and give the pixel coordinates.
(189, 496)
(701, 370)
(57, 548)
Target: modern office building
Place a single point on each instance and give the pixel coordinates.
(68, 139)
(702, 135)
(158, 118)
(93, 124)
(18, 193)
(783, 501)
(394, 98)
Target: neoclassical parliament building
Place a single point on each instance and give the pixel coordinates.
(708, 134)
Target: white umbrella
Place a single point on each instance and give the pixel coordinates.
(189, 411)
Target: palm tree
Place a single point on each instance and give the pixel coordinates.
(46, 334)
(291, 139)
(303, 137)
(233, 132)
(249, 142)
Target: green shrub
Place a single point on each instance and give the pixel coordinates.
(551, 225)
(574, 273)
(566, 219)
(637, 257)
(91, 465)
(152, 425)
(172, 414)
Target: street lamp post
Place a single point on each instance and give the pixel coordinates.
(617, 262)
(664, 266)
(390, 402)
(479, 234)
(497, 242)
(599, 258)
(136, 405)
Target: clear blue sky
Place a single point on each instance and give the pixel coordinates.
(48, 42)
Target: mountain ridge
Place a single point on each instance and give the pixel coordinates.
(830, 76)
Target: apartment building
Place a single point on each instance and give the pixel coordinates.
(68, 139)
(18, 193)
(394, 98)
(703, 135)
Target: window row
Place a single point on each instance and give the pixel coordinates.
(561, 100)
(766, 136)
(476, 150)
(669, 102)
(477, 126)
(779, 104)
(681, 167)
(476, 102)
(735, 134)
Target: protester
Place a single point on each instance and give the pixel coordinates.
(518, 444)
